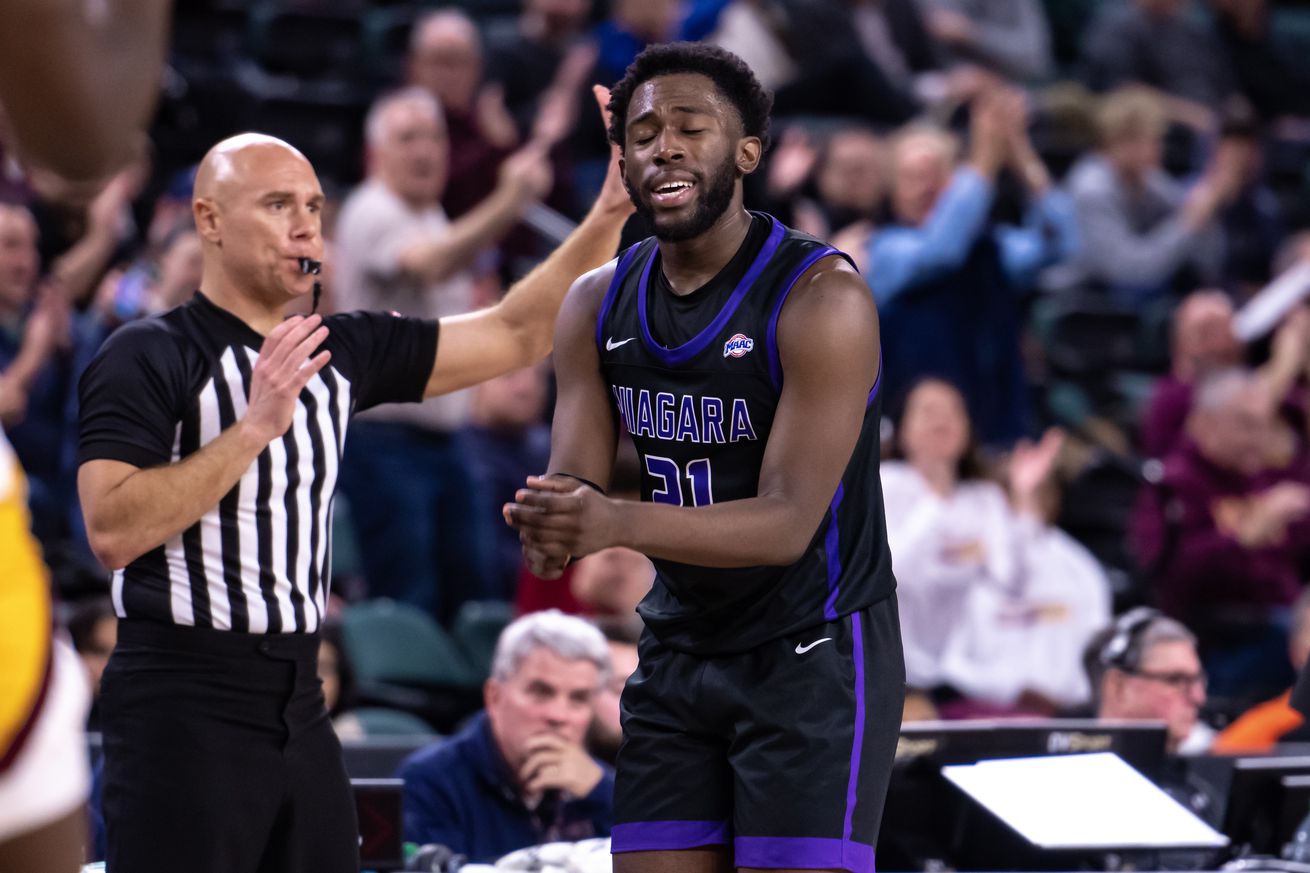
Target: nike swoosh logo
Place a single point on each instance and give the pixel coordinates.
(800, 650)
(610, 345)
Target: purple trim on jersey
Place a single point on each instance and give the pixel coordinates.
(813, 853)
(857, 745)
(657, 836)
(701, 341)
(831, 544)
(775, 363)
(625, 262)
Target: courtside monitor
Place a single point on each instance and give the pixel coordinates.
(1253, 819)
(1140, 743)
(924, 818)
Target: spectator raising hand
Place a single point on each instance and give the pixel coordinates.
(1031, 465)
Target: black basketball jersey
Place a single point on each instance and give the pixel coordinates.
(700, 414)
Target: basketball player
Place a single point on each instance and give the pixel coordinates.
(743, 358)
(78, 81)
(43, 704)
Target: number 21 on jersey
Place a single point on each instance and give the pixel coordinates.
(669, 479)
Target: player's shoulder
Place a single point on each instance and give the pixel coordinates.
(589, 290)
(829, 298)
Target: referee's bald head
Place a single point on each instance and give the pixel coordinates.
(257, 204)
(233, 160)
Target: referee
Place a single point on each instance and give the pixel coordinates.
(211, 438)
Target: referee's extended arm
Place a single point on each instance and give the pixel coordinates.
(130, 510)
(518, 331)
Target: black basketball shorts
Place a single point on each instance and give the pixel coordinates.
(782, 753)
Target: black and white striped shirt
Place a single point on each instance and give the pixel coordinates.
(162, 388)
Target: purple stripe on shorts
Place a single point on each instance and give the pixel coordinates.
(831, 545)
(804, 853)
(655, 836)
(857, 639)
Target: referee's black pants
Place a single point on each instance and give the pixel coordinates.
(219, 756)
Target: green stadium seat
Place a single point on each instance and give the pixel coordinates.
(396, 644)
(381, 722)
(478, 627)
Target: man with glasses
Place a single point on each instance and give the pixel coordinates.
(1145, 667)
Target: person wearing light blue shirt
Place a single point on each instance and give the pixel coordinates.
(947, 279)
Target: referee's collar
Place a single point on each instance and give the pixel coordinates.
(230, 323)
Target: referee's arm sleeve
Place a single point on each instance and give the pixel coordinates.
(130, 398)
(388, 357)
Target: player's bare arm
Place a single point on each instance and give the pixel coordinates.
(828, 344)
(585, 433)
(517, 331)
(130, 510)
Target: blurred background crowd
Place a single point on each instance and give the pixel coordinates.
(1060, 207)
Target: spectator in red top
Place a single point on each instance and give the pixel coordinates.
(1203, 343)
(1225, 530)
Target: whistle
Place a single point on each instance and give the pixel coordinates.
(309, 266)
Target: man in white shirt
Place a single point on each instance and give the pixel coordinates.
(422, 535)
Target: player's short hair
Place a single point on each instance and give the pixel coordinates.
(569, 637)
(729, 73)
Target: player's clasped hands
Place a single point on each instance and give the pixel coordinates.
(285, 366)
(558, 519)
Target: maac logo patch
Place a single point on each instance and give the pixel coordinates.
(738, 346)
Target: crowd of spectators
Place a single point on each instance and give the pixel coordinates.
(1059, 209)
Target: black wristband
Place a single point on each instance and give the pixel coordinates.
(590, 484)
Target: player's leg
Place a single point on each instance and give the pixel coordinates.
(43, 788)
(820, 714)
(708, 859)
(673, 787)
(51, 848)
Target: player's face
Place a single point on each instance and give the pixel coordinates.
(546, 695)
(18, 256)
(935, 427)
(684, 154)
(269, 218)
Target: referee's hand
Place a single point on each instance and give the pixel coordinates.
(283, 369)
